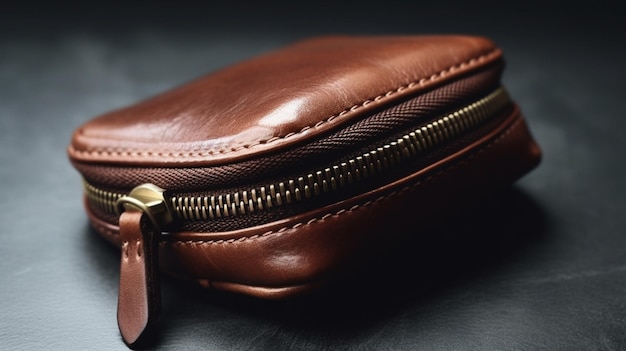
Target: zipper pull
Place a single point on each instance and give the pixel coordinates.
(144, 212)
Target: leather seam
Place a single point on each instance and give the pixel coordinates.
(112, 233)
(125, 250)
(407, 188)
(125, 152)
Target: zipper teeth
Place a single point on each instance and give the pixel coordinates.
(322, 181)
(101, 199)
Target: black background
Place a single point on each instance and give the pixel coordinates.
(540, 266)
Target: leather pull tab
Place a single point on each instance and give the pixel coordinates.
(139, 300)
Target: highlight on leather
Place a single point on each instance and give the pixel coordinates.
(277, 175)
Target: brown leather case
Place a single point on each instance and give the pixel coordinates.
(275, 174)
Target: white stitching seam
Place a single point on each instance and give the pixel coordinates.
(201, 153)
(344, 211)
(355, 207)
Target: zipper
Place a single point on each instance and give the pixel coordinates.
(143, 215)
(147, 210)
(374, 162)
(150, 200)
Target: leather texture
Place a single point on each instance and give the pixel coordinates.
(277, 100)
(296, 254)
(139, 300)
(272, 104)
(546, 271)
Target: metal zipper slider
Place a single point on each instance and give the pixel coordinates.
(144, 212)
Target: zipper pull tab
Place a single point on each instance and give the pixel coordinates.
(144, 212)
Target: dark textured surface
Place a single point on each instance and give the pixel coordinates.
(539, 267)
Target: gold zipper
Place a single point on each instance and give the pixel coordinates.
(326, 180)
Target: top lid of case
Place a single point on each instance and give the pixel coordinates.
(277, 100)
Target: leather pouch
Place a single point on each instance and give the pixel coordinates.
(271, 176)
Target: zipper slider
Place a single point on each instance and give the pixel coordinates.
(143, 214)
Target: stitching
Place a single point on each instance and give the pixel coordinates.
(355, 207)
(113, 234)
(201, 152)
(104, 230)
(139, 248)
(125, 249)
